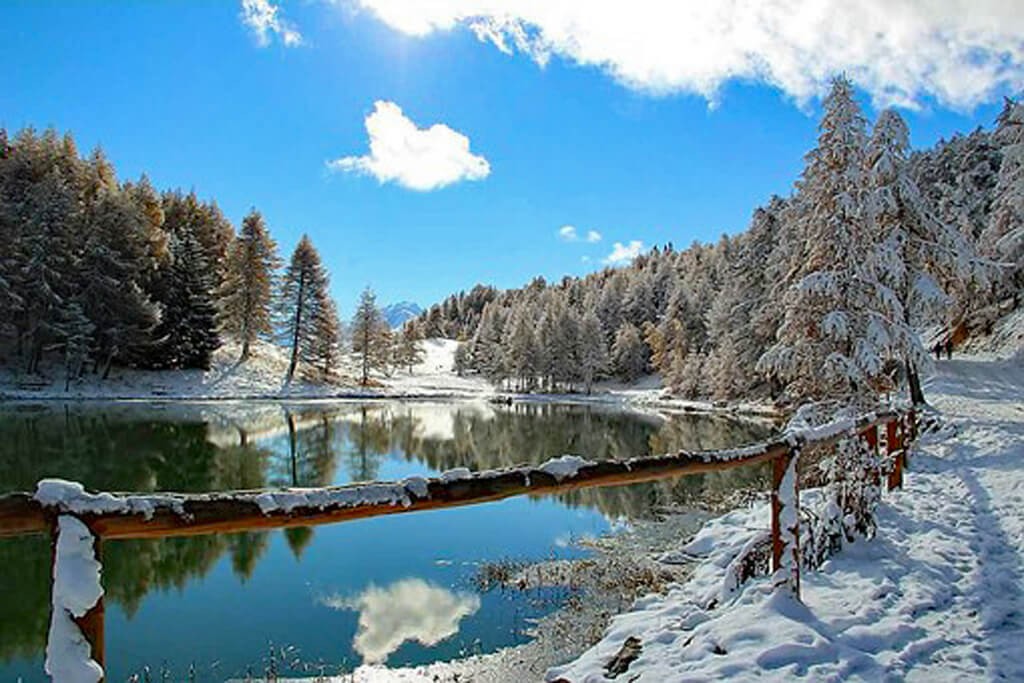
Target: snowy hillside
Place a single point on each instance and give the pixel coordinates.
(435, 374)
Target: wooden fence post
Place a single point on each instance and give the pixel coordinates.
(895, 448)
(871, 437)
(786, 522)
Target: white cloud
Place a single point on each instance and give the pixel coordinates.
(624, 253)
(263, 19)
(416, 158)
(410, 609)
(568, 233)
(960, 52)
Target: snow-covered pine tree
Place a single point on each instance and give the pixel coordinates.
(46, 262)
(725, 373)
(77, 336)
(246, 294)
(520, 347)
(485, 352)
(370, 336)
(303, 291)
(688, 377)
(831, 343)
(557, 333)
(1003, 238)
(610, 303)
(113, 261)
(639, 304)
(592, 352)
(916, 256)
(740, 321)
(189, 324)
(629, 353)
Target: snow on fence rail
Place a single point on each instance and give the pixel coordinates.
(58, 505)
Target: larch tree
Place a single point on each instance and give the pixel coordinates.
(592, 352)
(409, 350)
(832, 341)
(486, 346)
(326, 344)
(301, 298)
(370, 335)
(629, 353)
(246, 294)
(1003, 238)
(916, 255)
(520, 348)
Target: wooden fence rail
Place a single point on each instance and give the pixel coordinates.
(125, 516)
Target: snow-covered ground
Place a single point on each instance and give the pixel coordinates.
(260, 377)
(435, 375)
(938, 595)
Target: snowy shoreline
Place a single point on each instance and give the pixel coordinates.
(434, 379)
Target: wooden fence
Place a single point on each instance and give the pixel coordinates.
(125, 516)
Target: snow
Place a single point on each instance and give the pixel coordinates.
(288, 500)
(76, 589)
(938, 594)
(261, 378)
(70, 496)
(456, 473)
(564, 466)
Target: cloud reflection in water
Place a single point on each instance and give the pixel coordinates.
(409, 609)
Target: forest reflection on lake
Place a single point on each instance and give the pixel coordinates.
(165, 597)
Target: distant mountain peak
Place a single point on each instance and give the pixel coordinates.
(397, 313)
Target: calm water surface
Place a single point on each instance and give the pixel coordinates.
(395, 589)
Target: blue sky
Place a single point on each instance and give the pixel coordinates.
(596, 137)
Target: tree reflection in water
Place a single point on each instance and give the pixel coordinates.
(121, 447)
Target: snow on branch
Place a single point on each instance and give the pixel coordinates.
(70, 496)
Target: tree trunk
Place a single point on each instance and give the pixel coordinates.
(298, 324)
(245, 349)
(366, 353)
(107, 363)
(914, 384)
(293, 448)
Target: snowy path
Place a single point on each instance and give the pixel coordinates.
(937, 596)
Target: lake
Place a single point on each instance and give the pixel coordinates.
(397, 589)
